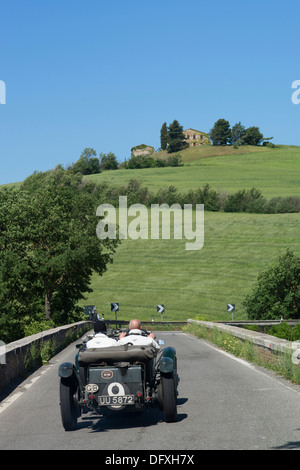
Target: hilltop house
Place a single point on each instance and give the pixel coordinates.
(193, 138)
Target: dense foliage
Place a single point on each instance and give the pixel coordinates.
(89, 164)
(164, 136)
(251, 201)
(48, 250)
(176, 138)
(140, 161)
(276, 293)
(222, 134)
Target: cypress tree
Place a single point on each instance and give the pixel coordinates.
(176, 137)
(164, 136)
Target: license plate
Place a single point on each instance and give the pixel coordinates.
(106, 400)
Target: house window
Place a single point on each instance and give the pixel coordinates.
(194, 136)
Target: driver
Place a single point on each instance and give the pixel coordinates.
(136, 337)
(100, 339)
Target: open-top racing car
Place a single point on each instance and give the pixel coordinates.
(116, 379)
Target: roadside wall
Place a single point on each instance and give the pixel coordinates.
(27, 353)
(271, 344)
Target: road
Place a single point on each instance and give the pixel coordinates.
(223, 403)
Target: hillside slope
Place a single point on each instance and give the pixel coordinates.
(150, 272)
(274, 171)
(236, 246)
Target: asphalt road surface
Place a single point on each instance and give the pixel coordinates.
(223, 403)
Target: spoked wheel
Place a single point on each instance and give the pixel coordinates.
(68, 404)
(169, 398)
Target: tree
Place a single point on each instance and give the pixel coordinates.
(88, 163)
(108, 161)
(49, 236)
(174, 160)
(164, 136)
(237, 133)
(252, 136)
(220, 134)
(140, 161)
(176, 139)
(277, 291)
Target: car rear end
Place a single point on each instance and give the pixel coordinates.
(115, 388)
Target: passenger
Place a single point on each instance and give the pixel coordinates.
(136, 337)
(100, 339)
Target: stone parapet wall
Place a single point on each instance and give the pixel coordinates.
(270, 343)
(27, 353)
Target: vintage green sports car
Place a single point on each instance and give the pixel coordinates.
(116, 379)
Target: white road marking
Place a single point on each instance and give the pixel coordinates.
(7, 402)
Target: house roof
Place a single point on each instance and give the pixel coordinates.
(195, 130)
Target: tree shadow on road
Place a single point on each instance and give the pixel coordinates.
(291, 445)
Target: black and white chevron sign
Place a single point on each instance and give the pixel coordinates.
(114, 307)
(160, 308)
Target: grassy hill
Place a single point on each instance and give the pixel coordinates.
(274, 171)
(236, 246)
(149, 272)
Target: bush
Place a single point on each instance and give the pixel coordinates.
(160, 163)
(279, 205)
(245, 201)
(206, 196)
(167, 195)
(283, 331)
(140, 161)
(36, 326)
(174, 160)
(276, 293)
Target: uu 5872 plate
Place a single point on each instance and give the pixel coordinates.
(106, 400)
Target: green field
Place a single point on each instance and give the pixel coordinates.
(276, 172)
(150, 272)
(236, 246)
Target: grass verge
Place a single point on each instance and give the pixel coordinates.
(281, 364)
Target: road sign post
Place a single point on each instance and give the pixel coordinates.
(114, 306)
(160, 309)
(231, 308)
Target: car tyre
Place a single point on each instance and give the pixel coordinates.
(68, 405)
(169, 398)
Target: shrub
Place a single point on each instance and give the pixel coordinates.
(276, 293)
(283, 330)
(140, 161)
(36, 326)
(245, 201)
(206, 196)
(175, 160)
(279, 205)
(167, 195)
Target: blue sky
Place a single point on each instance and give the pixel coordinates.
(107, 74)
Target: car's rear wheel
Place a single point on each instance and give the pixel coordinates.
(169, 398)
(68, 404)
